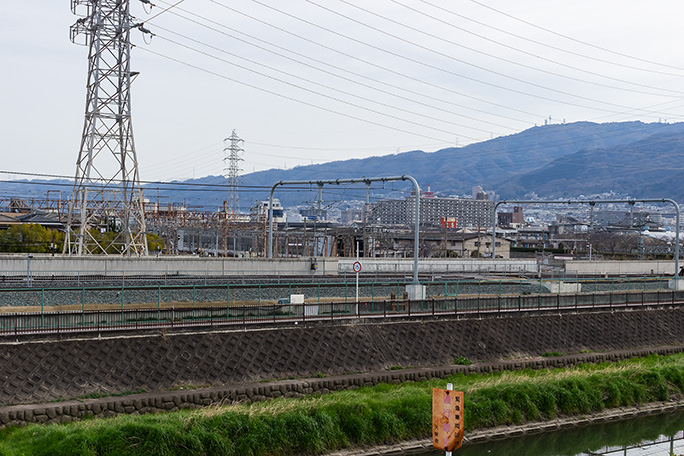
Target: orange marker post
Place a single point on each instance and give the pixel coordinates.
(447, 419)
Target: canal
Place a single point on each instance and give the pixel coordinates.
(655, 435)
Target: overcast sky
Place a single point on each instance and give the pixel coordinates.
(312, 81)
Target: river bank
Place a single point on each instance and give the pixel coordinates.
(188, 396)
(505, 432)
(367, 416)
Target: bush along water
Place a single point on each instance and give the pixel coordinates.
(367, 416)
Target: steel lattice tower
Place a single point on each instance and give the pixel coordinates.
(233, 169)
(106, 213)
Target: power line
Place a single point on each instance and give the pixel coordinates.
(297, 100)
(349, 94)
(540, 43)
(165, 10)
(575, 39)
(473, 79)
(363, 61)
(537, 55)
(341, 69)
(380, 67)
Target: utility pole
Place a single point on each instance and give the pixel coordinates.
(233, 158)
(106, 196)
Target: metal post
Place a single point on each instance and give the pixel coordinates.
(357, 279)
(28, 270)
(450, 387)
(270, 220)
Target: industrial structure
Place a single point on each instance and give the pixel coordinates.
(233, 171)
(106, 214)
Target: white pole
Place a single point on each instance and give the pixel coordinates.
(357, 279)
(450, 387)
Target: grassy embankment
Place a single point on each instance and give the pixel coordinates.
(366, 416)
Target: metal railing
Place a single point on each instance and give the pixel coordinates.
(231, 294)
(140, 318)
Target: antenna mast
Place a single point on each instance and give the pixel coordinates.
(106, 212)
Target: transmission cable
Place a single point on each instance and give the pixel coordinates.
(452, 58)
(439, 68)
(348, 94)
(372, 64)
(281, 95)
(575, 39)
(537, 56)
(540, 43)
(375, 65)
(346, 78)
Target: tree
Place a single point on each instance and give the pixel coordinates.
(154, 243)
(30, 238)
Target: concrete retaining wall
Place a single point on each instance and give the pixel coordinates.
(437, 266)
(64, 412)
(41, 371)
(45, 264)
(637, 268)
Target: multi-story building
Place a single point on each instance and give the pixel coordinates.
(511, 219)
(468, 212)
(532, 237)
(259, 211)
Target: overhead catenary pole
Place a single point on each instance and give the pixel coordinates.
(367, 181)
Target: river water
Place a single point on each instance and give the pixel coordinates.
(655, 435)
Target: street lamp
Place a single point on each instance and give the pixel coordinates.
(589, 245)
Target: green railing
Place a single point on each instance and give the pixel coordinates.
(228, 295)
(89, 308)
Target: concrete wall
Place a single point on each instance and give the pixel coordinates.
(152, 265)
(67, 411)
(44, 264)
(437, 266)
(639, 268)
(46, 370)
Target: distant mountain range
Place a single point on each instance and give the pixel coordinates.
(565, 160)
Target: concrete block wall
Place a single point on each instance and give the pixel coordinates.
(45, 370)
(67, 411)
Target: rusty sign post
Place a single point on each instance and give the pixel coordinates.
(447, 419)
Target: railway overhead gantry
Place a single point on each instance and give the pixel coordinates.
(362, 180)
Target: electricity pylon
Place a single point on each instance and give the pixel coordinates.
(233, 169)
(106, 212)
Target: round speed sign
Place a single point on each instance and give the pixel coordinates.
(357, 267)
